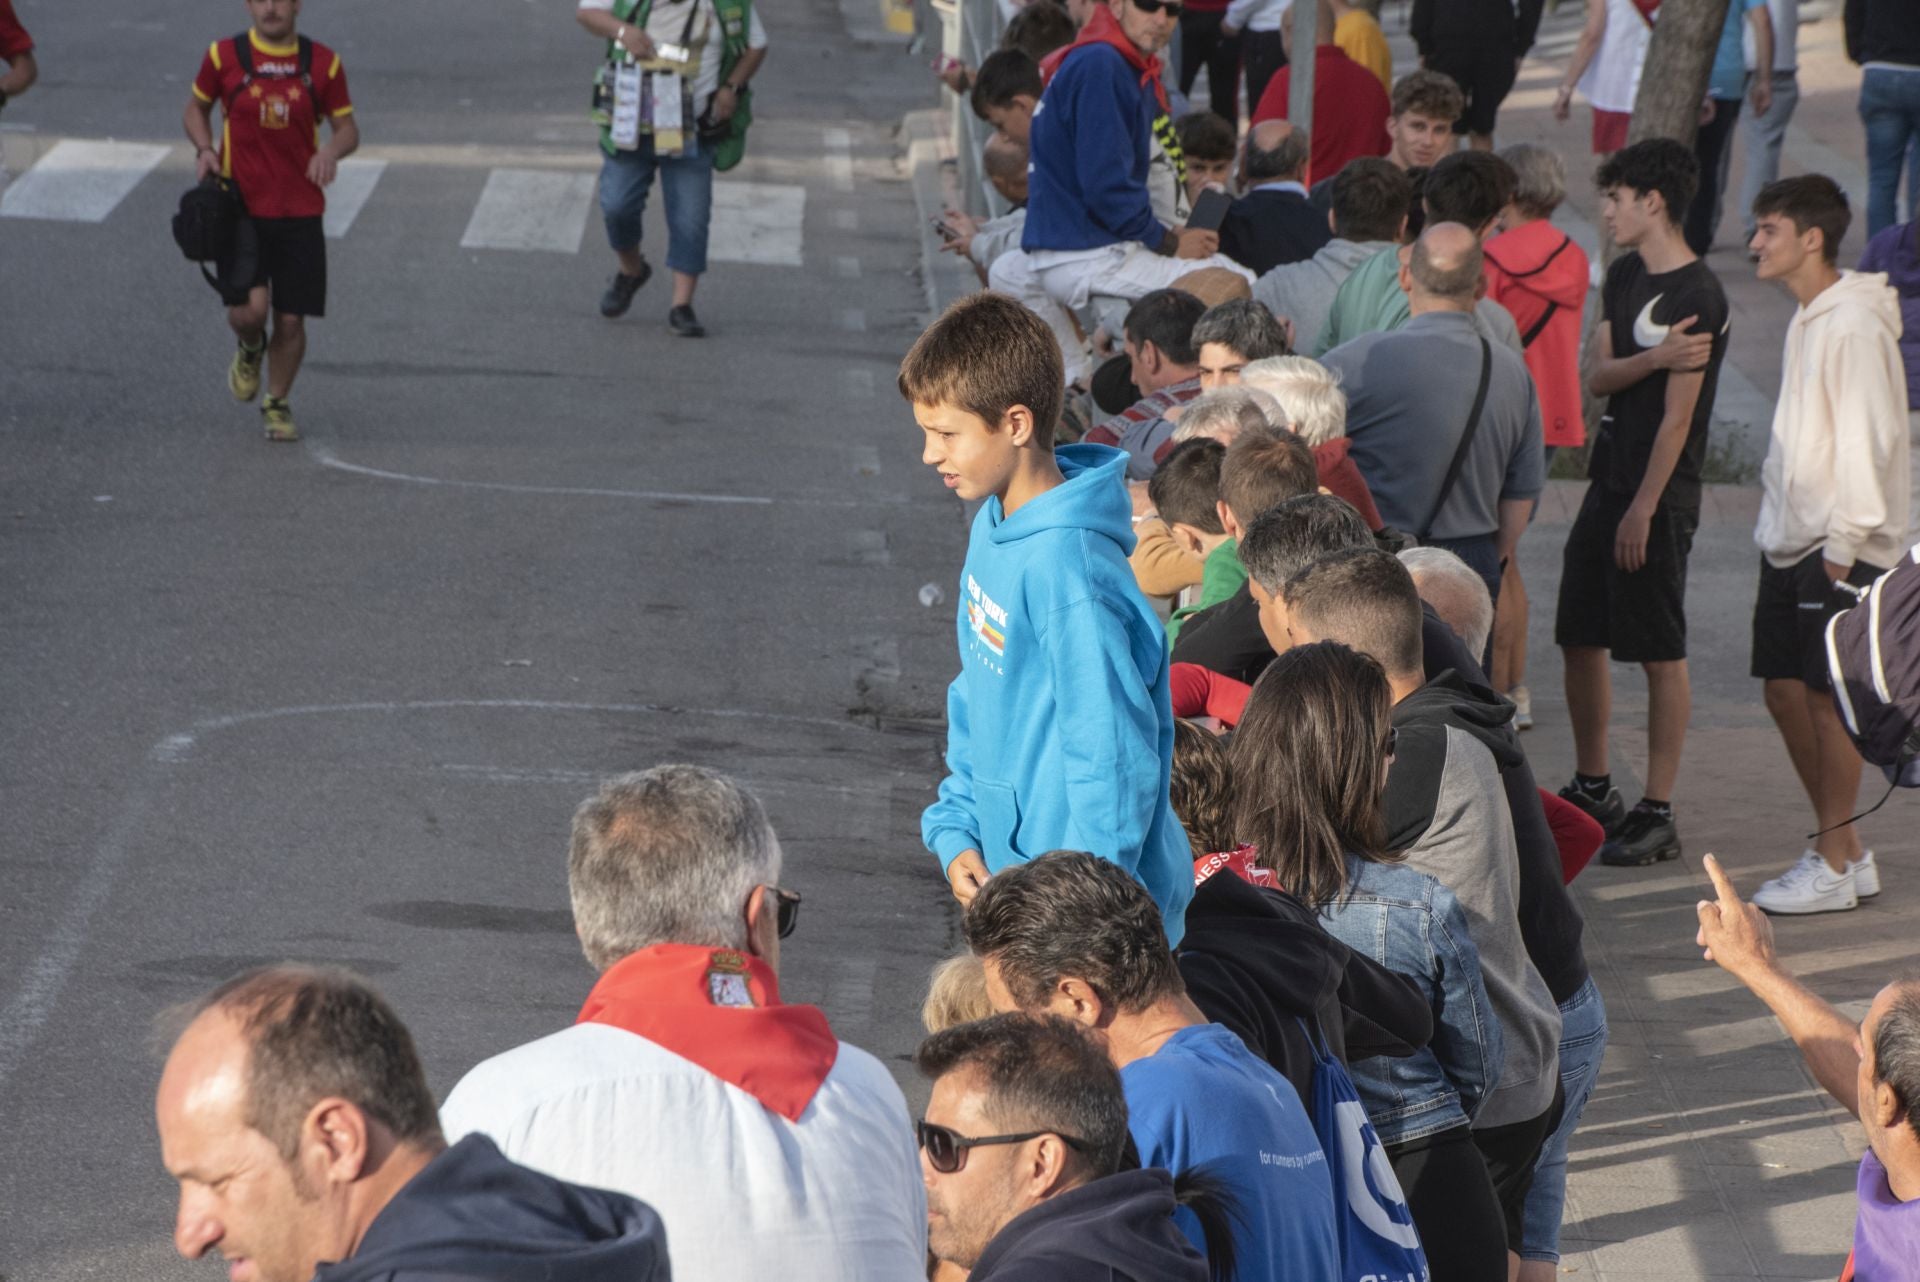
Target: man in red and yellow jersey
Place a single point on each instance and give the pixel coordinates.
(272, 95)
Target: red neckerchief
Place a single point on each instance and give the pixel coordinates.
(1648, 10)
(720, 1009)
(1104, 29)
(1240, 862)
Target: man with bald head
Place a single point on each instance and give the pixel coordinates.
(294, 1113)
(1444, 425)
(1872, 1068)
(1274, 223)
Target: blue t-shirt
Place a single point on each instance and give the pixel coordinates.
(1204, 1099)
(1729, 79)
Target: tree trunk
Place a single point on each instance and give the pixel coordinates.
(1679, 60)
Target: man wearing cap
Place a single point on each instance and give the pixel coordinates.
(770, 1148)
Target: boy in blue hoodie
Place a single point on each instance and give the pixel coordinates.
(1060, 724)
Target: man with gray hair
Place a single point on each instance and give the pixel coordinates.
(1274, 223)
(770, 1148)
(1445, 425)
(1455, 592)
(1309, 396)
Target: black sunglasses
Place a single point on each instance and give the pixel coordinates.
(1171, 8)
(946, 1150)
(787, 911)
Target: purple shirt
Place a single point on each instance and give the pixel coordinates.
(1886, 1237)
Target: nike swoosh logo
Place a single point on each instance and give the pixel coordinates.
(1645, 331)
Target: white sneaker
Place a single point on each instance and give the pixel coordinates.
(1866, 876)
(1808, 887)
(1522, 707)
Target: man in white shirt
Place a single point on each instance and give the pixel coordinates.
(770, 1149)
(1833, 514)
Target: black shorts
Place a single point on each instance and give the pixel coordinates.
(1485, 76)
(1790, 614)
(1642, 616)
(288, 255)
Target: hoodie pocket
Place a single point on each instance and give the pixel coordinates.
(997, 811)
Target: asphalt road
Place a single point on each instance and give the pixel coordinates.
(337, 701)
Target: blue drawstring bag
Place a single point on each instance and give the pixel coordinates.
(1378, 1242)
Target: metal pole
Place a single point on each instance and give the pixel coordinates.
(1300, 66)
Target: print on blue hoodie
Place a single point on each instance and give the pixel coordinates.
(1060, 724)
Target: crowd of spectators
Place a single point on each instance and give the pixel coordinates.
(1272, 970)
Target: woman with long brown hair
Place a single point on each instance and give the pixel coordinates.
(1310, 762)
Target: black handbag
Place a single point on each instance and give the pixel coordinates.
(207, 224)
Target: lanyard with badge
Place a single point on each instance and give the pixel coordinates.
(655, 96)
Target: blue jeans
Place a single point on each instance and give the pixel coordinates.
(625, 179)
(1890, 109)
(1766, 131)
(1583, 1041)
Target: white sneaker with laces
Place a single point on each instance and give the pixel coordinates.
(1808, 887)
(1866, 876)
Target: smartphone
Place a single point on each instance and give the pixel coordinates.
(945, 231)
(1210, 210)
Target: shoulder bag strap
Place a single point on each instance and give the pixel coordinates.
(1466, 440)
(1538, 327)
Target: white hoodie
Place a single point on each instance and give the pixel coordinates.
(1836, 477)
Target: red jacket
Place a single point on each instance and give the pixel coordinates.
(1539, 274)
(1350, 110)
(1342, 479)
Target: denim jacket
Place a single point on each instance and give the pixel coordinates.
(1410, 923)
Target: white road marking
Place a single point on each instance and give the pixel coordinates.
(352, 184)
(757, 223)
(325, 457)
(80, 181)
(839, 144)
(531, 209)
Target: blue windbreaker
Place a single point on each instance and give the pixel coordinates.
(1060, 724)
(1090, 149)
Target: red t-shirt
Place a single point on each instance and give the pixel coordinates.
(14, 39)
(1350, 110)
(270, 130)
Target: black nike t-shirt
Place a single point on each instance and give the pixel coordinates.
(1639, 307)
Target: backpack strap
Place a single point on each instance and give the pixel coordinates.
(306, 63)
(1466, 441)
(243, 58)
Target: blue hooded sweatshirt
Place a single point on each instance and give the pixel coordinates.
(1091, 145)
(1060, 724)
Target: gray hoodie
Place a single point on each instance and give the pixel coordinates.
(1447, 809)
(1303, 292)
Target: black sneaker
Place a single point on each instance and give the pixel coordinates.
(620, 292)
(1644, 838)
(1609, 812)
(683, 322)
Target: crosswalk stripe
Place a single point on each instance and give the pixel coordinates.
(534, 209)
(352, 184)
(757, 223)
(80, 181)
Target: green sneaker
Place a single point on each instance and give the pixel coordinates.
(278, 419)
(243, 376)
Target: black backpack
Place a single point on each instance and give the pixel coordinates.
(1873, 659)
(208, 223)
(243, 55)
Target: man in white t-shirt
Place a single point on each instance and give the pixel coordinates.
(694, 59)
(770, 1149)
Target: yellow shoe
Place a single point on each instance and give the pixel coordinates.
(243, 376)
(278, 419)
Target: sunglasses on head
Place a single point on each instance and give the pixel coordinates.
(787, 910)
(946, 1150)
(1171, 8)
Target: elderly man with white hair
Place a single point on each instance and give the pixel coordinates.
(1313, 405)
(769, 1147)
(1456, 592)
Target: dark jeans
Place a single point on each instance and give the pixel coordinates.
(1703, 215)
(1201, 42)
(1264, 53)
